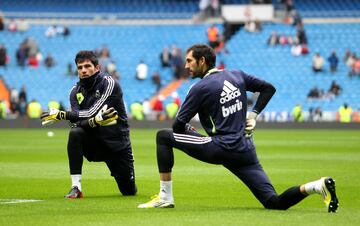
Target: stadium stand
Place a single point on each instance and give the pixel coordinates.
(128, 44)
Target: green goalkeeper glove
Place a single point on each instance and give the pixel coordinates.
(250, 123)
(51, 116)
(105, 117)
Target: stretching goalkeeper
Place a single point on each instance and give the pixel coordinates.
(99, 128)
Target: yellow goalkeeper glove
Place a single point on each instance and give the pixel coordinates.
(105, 117)
(51, 116)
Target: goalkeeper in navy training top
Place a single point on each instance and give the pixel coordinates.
(219, 99)
(99, 128)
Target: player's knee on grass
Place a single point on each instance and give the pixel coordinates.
(126, 187)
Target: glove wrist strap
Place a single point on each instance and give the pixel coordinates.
(92, 122)
(62, 115)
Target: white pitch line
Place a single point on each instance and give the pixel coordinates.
(13, 201)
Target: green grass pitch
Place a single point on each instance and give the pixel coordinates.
(34, 166)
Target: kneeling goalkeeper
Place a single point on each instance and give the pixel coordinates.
(99, 127)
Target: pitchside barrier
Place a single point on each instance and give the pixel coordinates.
(36, 123)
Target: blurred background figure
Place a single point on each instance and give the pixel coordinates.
(345, 113)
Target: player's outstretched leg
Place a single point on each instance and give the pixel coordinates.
(326, 187)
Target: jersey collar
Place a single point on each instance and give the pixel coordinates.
(211, 71)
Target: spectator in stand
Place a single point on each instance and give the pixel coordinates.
(137, 111)
(22, 106)
(2, 24)
(317, 63)
(297, 113)
(49, 61)
(209, 8)
(146, 108)
(33, 61)
(156, 80)
(141, 71)
(215, 8)
(51, 31)
(176, 98)
(165, 57)
(350, 60)
(14, 95)
(21, 55)
(3, 109)
(333, 61)
(345, 113)
(296, 49)
(355, 69)
(318, 115)
(70, 71)
(283, 40)
(334, 89)
(66, 31)
(221, 65)
(347, 55)
(23, 93)
(104, 57)
(315, 115)
(158, 107)
(289, 6)
(304, 49)
(22, 25)
(314, 93)
(111, 69)
(177, 64)
(301, 35)
(213, 35)
(34, 109)
(3, 56)
(297, 20)
(205, 9)
(220, 48)
(31, 47)
(273, 40)
(253, 26)
(12, 27)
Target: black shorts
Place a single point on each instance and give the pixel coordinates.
(114, 150)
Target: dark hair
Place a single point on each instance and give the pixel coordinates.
(201, 50)
(86, 55)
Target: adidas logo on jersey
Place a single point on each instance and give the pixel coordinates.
(229, 92)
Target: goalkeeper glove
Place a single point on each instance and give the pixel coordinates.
(250, 123)
(51, 116)
(105, 117)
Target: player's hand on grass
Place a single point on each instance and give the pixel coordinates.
(250, 123)
(51, 116)
(105, 117)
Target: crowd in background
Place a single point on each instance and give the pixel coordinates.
(28, 54)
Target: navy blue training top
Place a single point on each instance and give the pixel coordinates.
(87, 99)
(220, 100)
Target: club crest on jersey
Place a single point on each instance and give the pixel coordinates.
(97, 94)
(79, 97)
(229, 92)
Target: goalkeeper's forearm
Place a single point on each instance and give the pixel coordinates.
(85, 124)
(73, 116)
